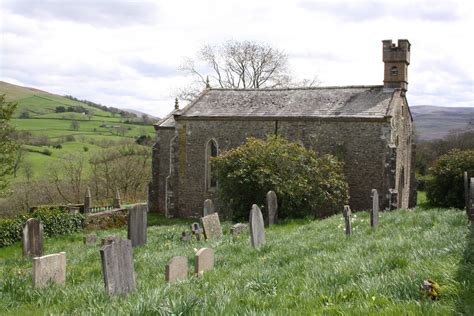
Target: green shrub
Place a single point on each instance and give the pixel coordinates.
(446, 188)
(55, 222)
(305, 183)
(47, 152)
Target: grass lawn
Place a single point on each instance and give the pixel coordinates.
(306, 268)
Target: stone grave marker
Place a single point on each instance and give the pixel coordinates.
(87, 201)
(257, 227)
(49, 269)
(116, 201)
(347, 217)
(32, 238)
(204, 260)
(374, 213)
(271, 207)
(208, 208)
(90, 239)
(196, 230)
(466, 194)
(137, 225)
(212, 226)
(185, 236)
(238, 228)
(176, 269)
(117, 267)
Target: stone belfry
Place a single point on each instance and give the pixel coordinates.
(396, 60)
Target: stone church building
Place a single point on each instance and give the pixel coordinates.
(369, 127)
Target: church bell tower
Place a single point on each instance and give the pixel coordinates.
(396, 60)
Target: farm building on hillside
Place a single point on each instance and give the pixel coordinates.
(369, 127)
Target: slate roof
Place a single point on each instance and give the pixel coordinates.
(319, 102)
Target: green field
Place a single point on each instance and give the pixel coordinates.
(96, 129)
(306, 268)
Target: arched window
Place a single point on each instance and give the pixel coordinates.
(211, 151)
(394, 71)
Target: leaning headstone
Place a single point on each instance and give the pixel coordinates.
(204, 260)
(196, 230)
(176, 269)
(117, 267)
(271, 207)
(212, 226)
(116, 201)
(90, 239)
(347, 217)
(374, 213)
(32, 238)
(238, 228)
(49, 269)
(87, 201)
(257, 227)
(137, 225)
(208, 208)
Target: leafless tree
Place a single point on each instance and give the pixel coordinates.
(239, 65)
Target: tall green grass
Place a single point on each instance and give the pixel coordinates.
(306, 268)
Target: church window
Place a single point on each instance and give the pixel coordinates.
(211, 151)
(394, 71)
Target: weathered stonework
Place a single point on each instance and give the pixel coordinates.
(371, 130)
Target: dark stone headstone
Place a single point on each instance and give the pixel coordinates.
(271, 208)
(238, 228)
(374, 213)
(90, 239)
(176, 269)
(257, 227)
(49, 269)
(212, 226)
(196, 230)
(347, 217)
(117, 267)
(137, 225)
(204, 260)
(208, 208)
(87, 201)
(32, 238)
(117, 200)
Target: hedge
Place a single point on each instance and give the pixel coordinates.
(55, 222)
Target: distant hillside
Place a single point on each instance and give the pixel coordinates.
(435, 122)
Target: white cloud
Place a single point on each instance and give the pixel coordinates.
(126, 53)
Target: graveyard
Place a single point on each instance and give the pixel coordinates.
(293, 267)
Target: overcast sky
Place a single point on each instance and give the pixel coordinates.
(127, 53)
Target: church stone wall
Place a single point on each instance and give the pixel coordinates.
(362, 144)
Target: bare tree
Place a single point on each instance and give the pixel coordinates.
(239, 65)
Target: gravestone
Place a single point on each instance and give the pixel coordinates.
(32, 238)
(87, 201)
(117, 267)
(212, 226)
(137, 225)
(238, 228)
(347, 217)
(117, 200)
(109, 240)
(374, 213)
(471, 202)
(257, 227)
(49, 269)
(271, 207)
(185, 236)
(196, 230)
(208, 208)
(204, 260)
(90, 239)
(466, 193)
(176, 269)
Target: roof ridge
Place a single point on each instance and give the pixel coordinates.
(297, 88)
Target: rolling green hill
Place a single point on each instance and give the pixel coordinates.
(48, 135)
